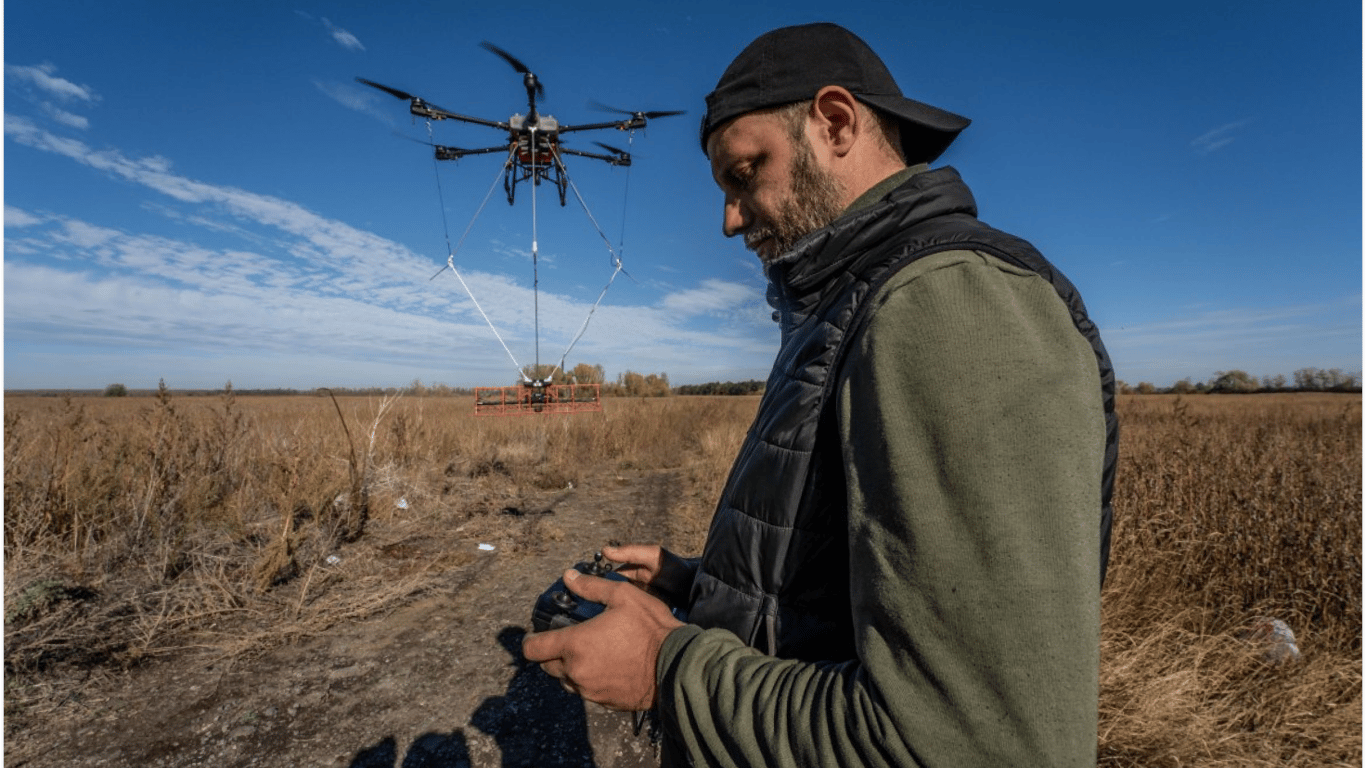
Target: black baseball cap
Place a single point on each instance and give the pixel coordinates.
(790, 64)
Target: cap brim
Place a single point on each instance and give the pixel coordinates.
(926, 131)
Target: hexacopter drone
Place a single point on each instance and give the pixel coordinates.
(534, 151)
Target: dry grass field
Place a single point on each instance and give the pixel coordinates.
(143, 531)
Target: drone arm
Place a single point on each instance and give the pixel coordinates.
(620, 125)
(455, 153)
(432, 112)
(621, 159)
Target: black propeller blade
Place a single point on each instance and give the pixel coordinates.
(417, 102)
(647, 115)
(440, 148)
(517, 65)
(396, 93)
(415, 141)
(611, 149)
(509, 58)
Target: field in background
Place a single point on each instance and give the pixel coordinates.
(1229, 508)
(138, 528)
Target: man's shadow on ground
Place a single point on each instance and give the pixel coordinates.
(535, 723)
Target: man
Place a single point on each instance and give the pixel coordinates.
(904, 567)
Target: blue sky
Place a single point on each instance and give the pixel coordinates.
(202, 193)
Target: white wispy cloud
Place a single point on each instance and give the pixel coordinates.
(43, 77)
(40, 85)
(15, 217)
(1218, 138)
(69, 119)
(344, 39)
(711, 297)
(360, 99)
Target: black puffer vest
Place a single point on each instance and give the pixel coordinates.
(774, 569)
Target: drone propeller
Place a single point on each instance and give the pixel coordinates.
(530, 77)
(647, 115)
(442, 151)
(410, 138)
(396, 93)
(612, 149)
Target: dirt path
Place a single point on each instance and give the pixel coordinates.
(437, 682)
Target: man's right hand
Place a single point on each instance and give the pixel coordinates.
(655, 568)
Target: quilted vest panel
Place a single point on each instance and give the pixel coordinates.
(775, 567)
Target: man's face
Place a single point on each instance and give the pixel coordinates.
(776, 192)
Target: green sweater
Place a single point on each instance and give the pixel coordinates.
(970, 412)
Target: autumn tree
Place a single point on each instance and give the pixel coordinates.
(632, 384)
(584, 373)
(1233, 382)
(1183, 387)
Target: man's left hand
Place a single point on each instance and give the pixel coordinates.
(611, 658)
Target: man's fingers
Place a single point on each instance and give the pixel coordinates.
(646, 554)
(639, 562)
(554, 668)
(592, 588)
(543, 646)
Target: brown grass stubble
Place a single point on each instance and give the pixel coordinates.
(136, 527)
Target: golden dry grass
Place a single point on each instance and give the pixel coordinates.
(137, 527)
(1228, 508)
(187, 515)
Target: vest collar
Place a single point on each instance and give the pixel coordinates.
(798, 276)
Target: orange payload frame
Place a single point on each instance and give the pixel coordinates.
(537, 397)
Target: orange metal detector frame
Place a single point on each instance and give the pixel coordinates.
(537, 397)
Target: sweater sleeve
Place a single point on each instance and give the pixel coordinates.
(971, 421)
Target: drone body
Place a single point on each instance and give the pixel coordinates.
(534, 150)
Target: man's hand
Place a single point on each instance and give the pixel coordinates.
(611, 658)
(654, 567)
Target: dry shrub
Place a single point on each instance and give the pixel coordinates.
(167, 510)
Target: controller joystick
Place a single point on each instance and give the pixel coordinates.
(557, 607)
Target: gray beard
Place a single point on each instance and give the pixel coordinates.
(814, 201)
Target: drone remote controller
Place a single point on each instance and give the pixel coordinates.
(557, 607)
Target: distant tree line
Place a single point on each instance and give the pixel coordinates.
(1242, 382)
(121, 390)
(750, 387)
(415, 389)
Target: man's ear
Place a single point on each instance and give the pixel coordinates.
(837, 117)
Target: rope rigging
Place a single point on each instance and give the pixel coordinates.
(450, 252)
(507, 168)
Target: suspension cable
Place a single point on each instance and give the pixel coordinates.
(441, 198)
(450, 252)
(616, 263)
(535, 263)
(625, 195)
(616, 258)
